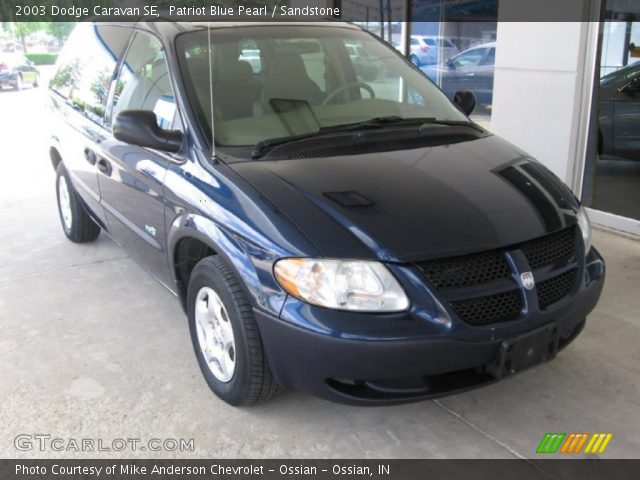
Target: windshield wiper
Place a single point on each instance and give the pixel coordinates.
(264, 146)
(456, 123)
(391, 120)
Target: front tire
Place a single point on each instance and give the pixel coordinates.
(36, 81)
(76, 223)
(18, 85)
(414, 60)
(225, 335)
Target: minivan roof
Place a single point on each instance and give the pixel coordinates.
(169, 30)
(239, 23)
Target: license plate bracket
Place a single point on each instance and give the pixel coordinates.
(519, 353)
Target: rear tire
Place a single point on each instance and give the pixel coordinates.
(76, 222)
(19, 85)
(225, 336)
(36, 81)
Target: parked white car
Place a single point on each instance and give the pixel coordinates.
(430, 49)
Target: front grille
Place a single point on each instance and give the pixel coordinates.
(554, 289)
(549, 250)
(459, 279)
(494, 308)
(466, 271)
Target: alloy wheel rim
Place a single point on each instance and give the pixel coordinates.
(64, 200)
(215, 334)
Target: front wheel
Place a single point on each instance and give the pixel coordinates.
(76, 222)
(414, 59)
(36, 81)
(18, 85)
(225, 335)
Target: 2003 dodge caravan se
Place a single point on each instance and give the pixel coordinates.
(358, 239)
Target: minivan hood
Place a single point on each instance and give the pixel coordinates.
(416, 204)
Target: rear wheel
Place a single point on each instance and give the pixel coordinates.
(36, 81)
(18, 85)
(225, 335)
(76, 223)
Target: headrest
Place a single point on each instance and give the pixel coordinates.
(288, 65)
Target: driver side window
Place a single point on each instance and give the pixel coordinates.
(471, 58)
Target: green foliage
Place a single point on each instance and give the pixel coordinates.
(42, 58)
(21, 30)
(59, 30)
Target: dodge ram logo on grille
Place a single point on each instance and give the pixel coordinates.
(527, 280)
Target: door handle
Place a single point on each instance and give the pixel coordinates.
(104, 166)
(90, 156)
(471, 74)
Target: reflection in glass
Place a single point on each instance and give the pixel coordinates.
(97, 61)
(458, 55)
(612, 172)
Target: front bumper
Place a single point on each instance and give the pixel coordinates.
(395, 366)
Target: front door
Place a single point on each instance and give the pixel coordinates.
(131, 178)
(463, 72)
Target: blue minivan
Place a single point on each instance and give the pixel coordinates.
(326, 229)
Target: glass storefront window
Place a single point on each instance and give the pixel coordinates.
(612, 172)
(458, 56)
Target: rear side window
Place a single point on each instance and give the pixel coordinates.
(86, 67)
(143, 82)
(429, 41)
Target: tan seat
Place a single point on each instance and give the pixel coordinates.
(288, 78)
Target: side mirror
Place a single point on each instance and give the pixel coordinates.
(140, 127)
(465, 100)
(449, 62)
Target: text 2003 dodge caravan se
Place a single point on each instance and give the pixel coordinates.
(329, 225)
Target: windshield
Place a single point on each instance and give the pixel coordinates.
(281, 81)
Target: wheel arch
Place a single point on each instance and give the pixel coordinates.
(192, 237)
(55, 157)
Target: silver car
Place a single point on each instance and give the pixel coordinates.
(430, 49)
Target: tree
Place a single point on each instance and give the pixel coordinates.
(21, 30)
(59, 30)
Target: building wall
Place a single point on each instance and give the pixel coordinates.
(539, 91)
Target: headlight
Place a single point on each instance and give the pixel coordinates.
(585, 228)
(342, 284)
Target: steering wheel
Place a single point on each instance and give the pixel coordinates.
(349, 86)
